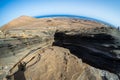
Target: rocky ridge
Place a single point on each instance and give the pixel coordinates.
(76, 49)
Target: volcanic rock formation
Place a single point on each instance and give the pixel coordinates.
(59, 48)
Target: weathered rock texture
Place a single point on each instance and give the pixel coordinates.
(59, 48)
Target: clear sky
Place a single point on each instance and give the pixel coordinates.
(105, 10)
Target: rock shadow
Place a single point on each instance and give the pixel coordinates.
(78, 46)
(19, 74)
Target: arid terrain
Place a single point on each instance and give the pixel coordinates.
(59, 48)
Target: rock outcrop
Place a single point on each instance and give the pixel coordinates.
(59, 48)
(2, 34)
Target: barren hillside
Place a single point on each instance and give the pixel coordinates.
(59, 48)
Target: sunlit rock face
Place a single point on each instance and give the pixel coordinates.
(59, 48)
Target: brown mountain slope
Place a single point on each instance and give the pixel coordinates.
(20, 21)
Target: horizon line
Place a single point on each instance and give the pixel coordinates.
(75, 16)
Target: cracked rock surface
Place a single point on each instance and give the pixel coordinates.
(59, 48)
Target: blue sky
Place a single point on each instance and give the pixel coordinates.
(105, 10)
